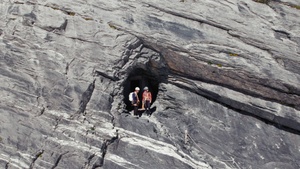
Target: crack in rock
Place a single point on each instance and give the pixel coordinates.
(90, 164)
(105, 145)
(38, 154)
(105, 75)
(90, 158)
(56, 30)
(68, 66)
(58, 160)
(188, 17)
(86, 96)
(279, 34)
(42, 111)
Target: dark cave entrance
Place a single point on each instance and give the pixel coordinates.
(140, 78)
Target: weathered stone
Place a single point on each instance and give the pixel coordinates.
(224, 76)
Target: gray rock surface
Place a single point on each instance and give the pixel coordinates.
(225, 77)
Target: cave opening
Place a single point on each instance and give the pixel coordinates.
(140, 78)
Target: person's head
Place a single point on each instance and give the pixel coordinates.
(137, 89)
(146, 88)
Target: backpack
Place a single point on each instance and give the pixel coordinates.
(131, 96)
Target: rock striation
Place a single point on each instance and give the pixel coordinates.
(225, 77)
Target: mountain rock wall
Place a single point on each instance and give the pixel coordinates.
(225, 76)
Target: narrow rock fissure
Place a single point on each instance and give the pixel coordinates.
(58, 160)
(282, 34)
(39, 154)
(68, 66)
(89, 161)
(189, 18)
(42, 111)
(105, 75)
(105, 146)
(82, 40)
(63, 26)
(86, 96)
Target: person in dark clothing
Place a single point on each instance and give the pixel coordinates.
(135, 101)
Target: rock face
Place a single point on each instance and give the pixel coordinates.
(225, 77)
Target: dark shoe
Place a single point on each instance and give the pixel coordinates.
(148, 112)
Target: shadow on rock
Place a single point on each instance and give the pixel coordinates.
(146, 112)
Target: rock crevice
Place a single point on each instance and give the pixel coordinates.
(105, 147)
(85, 98)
